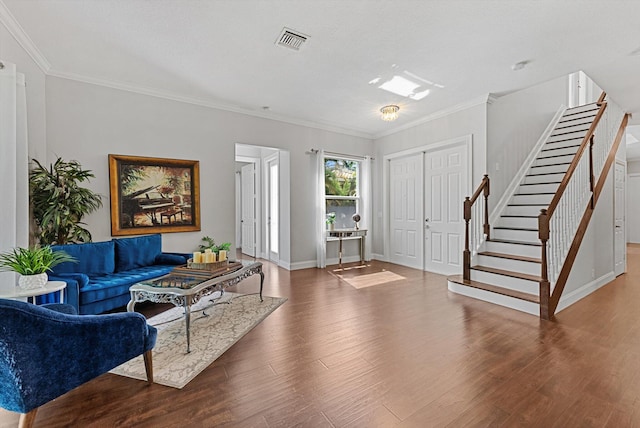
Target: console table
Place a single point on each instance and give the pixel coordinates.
(347, 234)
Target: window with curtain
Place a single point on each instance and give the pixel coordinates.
(342, 190)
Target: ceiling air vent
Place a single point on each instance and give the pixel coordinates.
(291, 39)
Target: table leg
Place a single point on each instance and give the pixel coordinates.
(132, 302)
(362, 250)
(187, 320)
(261, 283)
(62, 296)
(340, 253)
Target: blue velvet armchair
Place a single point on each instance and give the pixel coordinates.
(35, 369)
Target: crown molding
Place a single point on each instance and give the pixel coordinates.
(206, 103)
(18, 33)
(437, 115)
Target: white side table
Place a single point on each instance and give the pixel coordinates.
(50, 287)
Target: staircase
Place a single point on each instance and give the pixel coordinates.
(510, 263)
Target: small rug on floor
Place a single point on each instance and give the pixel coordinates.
(211, 336)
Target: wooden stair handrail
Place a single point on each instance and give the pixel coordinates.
(483, 189)
(554, 299)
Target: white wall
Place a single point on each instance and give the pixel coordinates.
(471, 121)
(87, 122)
(515, 122)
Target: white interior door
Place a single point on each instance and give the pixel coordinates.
(406, 205)
(249, 207)
(273, 204)
(633, 209)
(446, 181)
(620, 244)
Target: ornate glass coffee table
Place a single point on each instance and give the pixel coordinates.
(185, 287)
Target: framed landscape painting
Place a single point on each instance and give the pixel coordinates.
(153, 195)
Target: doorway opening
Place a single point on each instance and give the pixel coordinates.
(262, 198)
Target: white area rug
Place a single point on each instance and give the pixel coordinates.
(211, 335)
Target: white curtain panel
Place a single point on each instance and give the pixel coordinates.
(14, 191)
(366, 184)
(321, 243)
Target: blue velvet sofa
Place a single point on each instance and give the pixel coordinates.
(104, 271)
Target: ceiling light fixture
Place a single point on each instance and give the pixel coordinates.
(389, 112)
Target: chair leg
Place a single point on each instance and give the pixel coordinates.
(148, 366)
(27, 419)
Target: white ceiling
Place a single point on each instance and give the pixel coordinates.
(222, 53)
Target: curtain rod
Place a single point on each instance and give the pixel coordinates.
(339, 154)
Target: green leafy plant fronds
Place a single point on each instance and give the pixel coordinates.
(32, 261)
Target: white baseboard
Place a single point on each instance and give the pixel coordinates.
(569, 299)
(303, 265)
(380, 257)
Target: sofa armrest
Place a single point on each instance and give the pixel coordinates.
(171, 259)
(75, 282)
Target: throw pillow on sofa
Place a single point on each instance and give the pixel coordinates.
(93, 258)
(133, 253)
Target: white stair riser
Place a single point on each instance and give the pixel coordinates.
(563, 144)
(537, 188)
(520, 222)
(517, 284)
(554, 160)
(515, 235)
(573, 126)
(549, 169)
(577, 118)
(585, 107)
(559, 150)
(495, 298)
(561, 137)
(542, 178)
(515, 249)
(531, 210)
(508, 264)
(531, 199)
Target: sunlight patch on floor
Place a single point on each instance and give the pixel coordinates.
(372, 279)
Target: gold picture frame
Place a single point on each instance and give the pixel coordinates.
(153, 195)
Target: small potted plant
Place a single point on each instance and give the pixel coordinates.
(32, 264)
(331, 220)
(210, 244)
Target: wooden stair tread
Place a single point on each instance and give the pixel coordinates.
(495, 289)
(551, 164)
(575, 146)
(540, 184)
(508, 241)
(544, 173)
(510, 257)
(525, 229)
(510, 273)
(566, 139)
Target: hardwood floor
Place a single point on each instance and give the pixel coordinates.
(402, 353)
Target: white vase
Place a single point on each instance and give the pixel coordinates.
(29, 282)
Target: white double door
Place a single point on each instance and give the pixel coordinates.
(426, 192)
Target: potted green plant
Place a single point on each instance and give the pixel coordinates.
(210, 244)
(32, 264)
(59, 203)
(331, 219)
